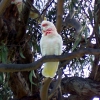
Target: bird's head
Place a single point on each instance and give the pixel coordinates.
(48, 27)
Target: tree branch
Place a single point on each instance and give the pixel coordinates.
(45, 9)
(49, 58)
(59, 15)
(80, 86)
(47, 5)
(44, 88)
(57, 84)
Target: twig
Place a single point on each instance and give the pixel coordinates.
(47, 7)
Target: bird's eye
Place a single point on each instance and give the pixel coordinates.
(44, 25)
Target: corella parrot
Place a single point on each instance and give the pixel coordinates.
(50, 44)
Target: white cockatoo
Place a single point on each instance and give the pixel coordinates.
(50, 44)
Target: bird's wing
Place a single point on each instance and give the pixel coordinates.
(58, 47)
(42, 46)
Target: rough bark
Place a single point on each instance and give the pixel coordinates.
(80, 88)
(12, 34)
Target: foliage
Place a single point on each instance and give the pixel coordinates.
(22, 45)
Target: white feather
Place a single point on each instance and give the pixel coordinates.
(50, 44)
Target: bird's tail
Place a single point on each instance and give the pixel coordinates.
(50, 69)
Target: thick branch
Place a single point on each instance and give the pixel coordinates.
(50, 58)
(81, 87)
(59, 15)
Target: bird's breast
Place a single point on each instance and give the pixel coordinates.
(50, 45)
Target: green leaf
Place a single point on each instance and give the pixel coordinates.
(30, 78)
(34, 74)
(1, 77)
(21, 53)
(76, 43)
(90, 14)
(91, 59)
(0, 55)
(4, 54)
